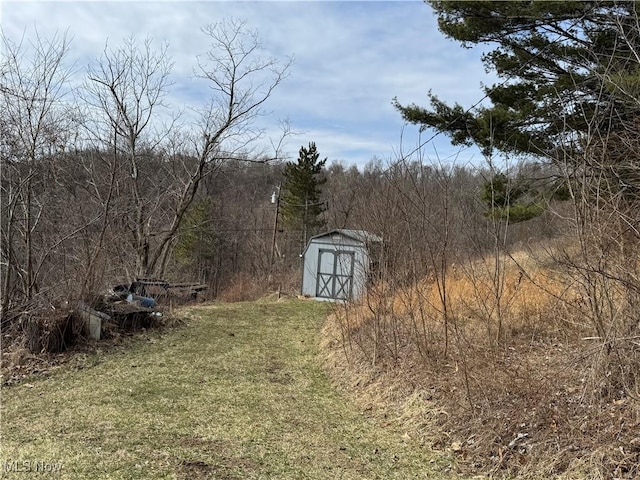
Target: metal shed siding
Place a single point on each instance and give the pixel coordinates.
(335, 266)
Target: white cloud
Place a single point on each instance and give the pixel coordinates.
(351, 59)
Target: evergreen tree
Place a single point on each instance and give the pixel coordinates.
(506, 199)
(301, 206)
(562, 65)
(198, 242)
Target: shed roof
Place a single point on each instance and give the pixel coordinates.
(361, 235)
(358, 235)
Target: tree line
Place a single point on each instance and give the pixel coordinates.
(98, 176)
(103, 183)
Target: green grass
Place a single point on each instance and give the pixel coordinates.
(239, 393)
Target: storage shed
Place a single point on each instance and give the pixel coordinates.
(336, 264)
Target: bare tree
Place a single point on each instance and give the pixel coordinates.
(128, 89)
(34, 128)
(126, 92)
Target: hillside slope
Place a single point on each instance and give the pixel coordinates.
(501, 362)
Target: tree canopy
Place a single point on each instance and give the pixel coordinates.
(565, 68)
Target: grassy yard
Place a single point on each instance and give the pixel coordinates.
(239, 393)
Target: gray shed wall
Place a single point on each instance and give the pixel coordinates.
(344, 256)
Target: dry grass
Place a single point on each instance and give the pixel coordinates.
(245, 288)
(506, 380)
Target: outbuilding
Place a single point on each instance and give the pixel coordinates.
(336, 264)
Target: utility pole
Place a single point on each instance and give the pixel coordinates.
(304, 223)
(275, 198)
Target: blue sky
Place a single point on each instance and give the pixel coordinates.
(350, 60)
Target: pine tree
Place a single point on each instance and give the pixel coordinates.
(301, 205)
(198, 242)
(564, 69)
(506, 199)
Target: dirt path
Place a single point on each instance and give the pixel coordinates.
(237, 394)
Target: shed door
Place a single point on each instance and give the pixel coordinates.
(335, 274)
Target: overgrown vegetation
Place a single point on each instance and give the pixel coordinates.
(514, 364)
(530, 345)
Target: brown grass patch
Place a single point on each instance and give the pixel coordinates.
(505, 380)
(243, 288)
